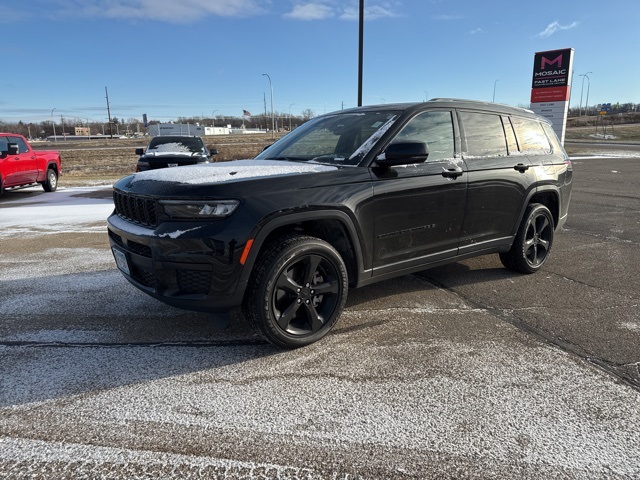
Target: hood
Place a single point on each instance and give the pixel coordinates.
(228, 172)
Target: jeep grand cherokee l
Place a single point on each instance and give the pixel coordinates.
(347, 199)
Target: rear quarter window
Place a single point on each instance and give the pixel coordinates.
(531, 136)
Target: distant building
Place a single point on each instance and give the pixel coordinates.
(86, 131)
(175, 129)
(217, 130)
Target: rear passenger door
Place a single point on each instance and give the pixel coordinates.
(419, 208)
(500, 179)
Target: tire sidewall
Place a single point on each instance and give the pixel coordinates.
(533, 212)
(293, 249)
(51, 182)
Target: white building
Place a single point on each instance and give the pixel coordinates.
(217, 130)
(175, 129)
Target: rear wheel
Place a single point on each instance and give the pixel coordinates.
(297, 291)
(51, 183)
(532, 245)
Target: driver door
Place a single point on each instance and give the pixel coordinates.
(419, 209)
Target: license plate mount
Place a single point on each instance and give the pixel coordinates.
(121, 261)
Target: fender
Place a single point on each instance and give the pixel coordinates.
(293, 218)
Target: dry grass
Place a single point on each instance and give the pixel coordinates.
(104, 161)
(594, 133)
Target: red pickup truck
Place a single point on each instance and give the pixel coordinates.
(22, 166)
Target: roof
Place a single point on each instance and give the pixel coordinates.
(446, 103)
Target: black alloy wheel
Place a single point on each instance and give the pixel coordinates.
(297, 292)
(532, 245)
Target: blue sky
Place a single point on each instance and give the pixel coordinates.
(172, 58)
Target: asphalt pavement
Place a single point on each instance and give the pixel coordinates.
(464, 371)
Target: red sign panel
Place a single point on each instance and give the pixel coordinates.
(551, 94)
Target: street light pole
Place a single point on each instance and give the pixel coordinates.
(213, 119)
(494, 90)
(583, 75)
(586, 103)
(273, 121)
(360, 50)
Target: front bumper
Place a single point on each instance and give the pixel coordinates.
(180, 264)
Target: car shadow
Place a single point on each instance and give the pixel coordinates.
(74, 334)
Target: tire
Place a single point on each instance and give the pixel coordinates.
(532, 246)
(297, 291)
(51, 183)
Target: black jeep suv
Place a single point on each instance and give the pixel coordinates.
(347, 199)
(173, 151)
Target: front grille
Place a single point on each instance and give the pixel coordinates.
(194, 281)
(136, 209)
(166, 162)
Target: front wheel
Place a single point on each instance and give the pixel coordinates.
(51, 183)
(297, 291)
(532, 245)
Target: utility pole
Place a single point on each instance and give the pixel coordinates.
(54, 126)
(109, 113)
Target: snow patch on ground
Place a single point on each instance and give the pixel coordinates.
(69, 210)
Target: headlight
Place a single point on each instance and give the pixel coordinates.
(199, 209)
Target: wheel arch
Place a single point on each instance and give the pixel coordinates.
(333, 226)
(550, 198)
(53, 166)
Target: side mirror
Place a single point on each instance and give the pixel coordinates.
(403, 153)
(13, 149)
(267, 147)
(213, 151)
(3, 154)
(139, 151)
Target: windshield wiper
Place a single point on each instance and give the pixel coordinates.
(290, 159)
(328, 156)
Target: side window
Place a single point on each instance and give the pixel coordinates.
(555, 143)
(484, 134)
(4, 144)
(435, 128)
(22, 146)
(531, 136)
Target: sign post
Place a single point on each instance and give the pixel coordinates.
(551, 87)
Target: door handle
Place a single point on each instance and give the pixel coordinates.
(521, 167)
(451, 172)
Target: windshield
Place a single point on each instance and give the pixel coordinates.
(333, 139)
(176, 145)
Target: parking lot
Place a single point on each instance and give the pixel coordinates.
(465, 371)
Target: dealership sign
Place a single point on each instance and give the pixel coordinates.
(551, 87)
